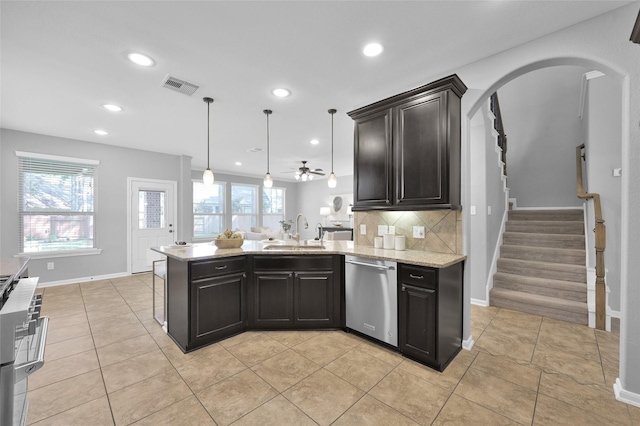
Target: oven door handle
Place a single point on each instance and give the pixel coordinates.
(26, 368)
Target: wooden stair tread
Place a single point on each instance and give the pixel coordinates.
(561, 255)
(543, 265)
(542, 282)
(558, 215)
(539, 300)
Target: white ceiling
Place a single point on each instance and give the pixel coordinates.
(60, 61)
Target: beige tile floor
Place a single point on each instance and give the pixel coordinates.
(108, 362)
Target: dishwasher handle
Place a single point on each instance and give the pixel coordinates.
(371, 265)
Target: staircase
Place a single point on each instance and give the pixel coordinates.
(542, 269)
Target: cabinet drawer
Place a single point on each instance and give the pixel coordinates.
(418, 276)
(293, 263)
(212, 268)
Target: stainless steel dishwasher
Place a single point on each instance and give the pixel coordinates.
(371, 297)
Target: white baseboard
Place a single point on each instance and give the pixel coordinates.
(625, 396)
(479, 302)
(467, 344)
(84, 279)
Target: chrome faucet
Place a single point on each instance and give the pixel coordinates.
(306, 225)
(319, 228)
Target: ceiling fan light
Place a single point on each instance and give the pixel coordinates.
(268, 180)
(304, 177)
(310, 177)
(207, 177)
(297, 176)
(332, 181)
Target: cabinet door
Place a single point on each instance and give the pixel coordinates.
(273, 299)
(217, 308)
(417, 322)
(421, 162)
(372, 160)
(313, 303)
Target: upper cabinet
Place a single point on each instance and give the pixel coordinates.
(407, 149)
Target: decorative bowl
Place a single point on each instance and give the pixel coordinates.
(229, 243)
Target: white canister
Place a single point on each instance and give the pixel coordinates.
(388, 241)
(401, 242)
(377, 242)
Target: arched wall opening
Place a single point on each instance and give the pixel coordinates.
(470, 107)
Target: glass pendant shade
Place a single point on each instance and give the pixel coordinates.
(207, 177)
(268, 180)
(332, 181)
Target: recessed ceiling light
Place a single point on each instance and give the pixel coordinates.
(140, 59)
(281, 93)
(112, 108)
(101, 132)
(314, 142)
(238, 163)
(372, 49)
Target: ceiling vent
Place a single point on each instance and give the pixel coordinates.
(179, 85)
(255, 150)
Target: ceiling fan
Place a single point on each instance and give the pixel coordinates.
(304, 173)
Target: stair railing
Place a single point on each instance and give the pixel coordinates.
(499, 127)
(600, 243)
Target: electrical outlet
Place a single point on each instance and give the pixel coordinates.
(418, 232)
(363, 229)
(392, 229)
(50, 266)
(472, 211)
(382, 229)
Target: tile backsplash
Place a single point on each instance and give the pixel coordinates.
(443, 228)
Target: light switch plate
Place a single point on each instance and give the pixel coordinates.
(489, 210)
(617, 172)
(363, 229)
(392, 229)
(418, 232)
(472, 210)
(382, 229)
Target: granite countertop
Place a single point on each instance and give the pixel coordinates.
(13, 265)
(200, 251)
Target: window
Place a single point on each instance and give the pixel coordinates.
(208, 209)
(244, 206)
(272, 207)
(57, 203)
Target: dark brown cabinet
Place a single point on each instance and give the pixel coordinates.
(296, 292)
(407, 149)
(430, 313)
(205, 300)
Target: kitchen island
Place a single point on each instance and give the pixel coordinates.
(215, 293)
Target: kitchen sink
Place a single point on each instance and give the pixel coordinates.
(283, 247)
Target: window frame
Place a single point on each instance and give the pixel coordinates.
(224, 214)
(257, 204)
(22, 212)
(282, 216)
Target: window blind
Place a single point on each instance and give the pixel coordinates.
(57, 203)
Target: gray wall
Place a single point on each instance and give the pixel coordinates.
(603, 154)
(116, 164)
(540, 114)
(487, 193)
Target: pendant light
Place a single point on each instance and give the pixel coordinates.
(268, 180)
(333, 180)
(207, 176)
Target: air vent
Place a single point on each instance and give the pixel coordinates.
(179, 85)
(255, 150)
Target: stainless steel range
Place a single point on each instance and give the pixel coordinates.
(23, 335)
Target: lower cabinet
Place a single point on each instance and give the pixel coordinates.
(296, 292)
(205, 300)
(430, 313)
